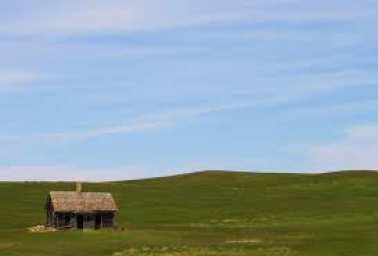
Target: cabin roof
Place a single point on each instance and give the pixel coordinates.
(62, 201)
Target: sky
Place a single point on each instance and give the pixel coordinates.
(116, 90)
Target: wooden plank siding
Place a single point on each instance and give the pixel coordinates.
(69, 220)
(65, 209)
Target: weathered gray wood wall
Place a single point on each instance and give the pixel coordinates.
(70, 220)
(50, 218)
(107, 220)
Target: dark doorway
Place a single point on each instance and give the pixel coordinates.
(80, 221)
(98, 221)
(67, 220)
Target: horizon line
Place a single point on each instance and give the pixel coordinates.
(197, 172)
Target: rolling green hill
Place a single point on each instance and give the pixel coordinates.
(208, 213)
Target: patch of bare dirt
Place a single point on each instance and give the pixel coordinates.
(41, 229)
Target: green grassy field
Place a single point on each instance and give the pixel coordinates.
(208, 213)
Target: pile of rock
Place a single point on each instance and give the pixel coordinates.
(41, 229)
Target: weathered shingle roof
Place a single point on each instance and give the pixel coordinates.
(82, 202)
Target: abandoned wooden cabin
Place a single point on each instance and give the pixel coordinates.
(80, 210)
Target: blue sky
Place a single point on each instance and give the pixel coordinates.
(106, 90)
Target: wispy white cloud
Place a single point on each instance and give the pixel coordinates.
(335, 110)
(143, 123)
(358, 149)
(243, 164)
(363, 133)
(67, 173)
(11, 78)
(115, 15)
(14, 81)
(249, 99)
(99, 16)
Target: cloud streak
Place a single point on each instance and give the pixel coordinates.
(143, 123)
(344, 109)
(67, 173)
(258, 98)
(357, 149)
(11, 79)
(86, 16)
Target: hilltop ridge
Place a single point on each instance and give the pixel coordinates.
(339, 208)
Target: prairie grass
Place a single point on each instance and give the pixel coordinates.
(209, 213)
